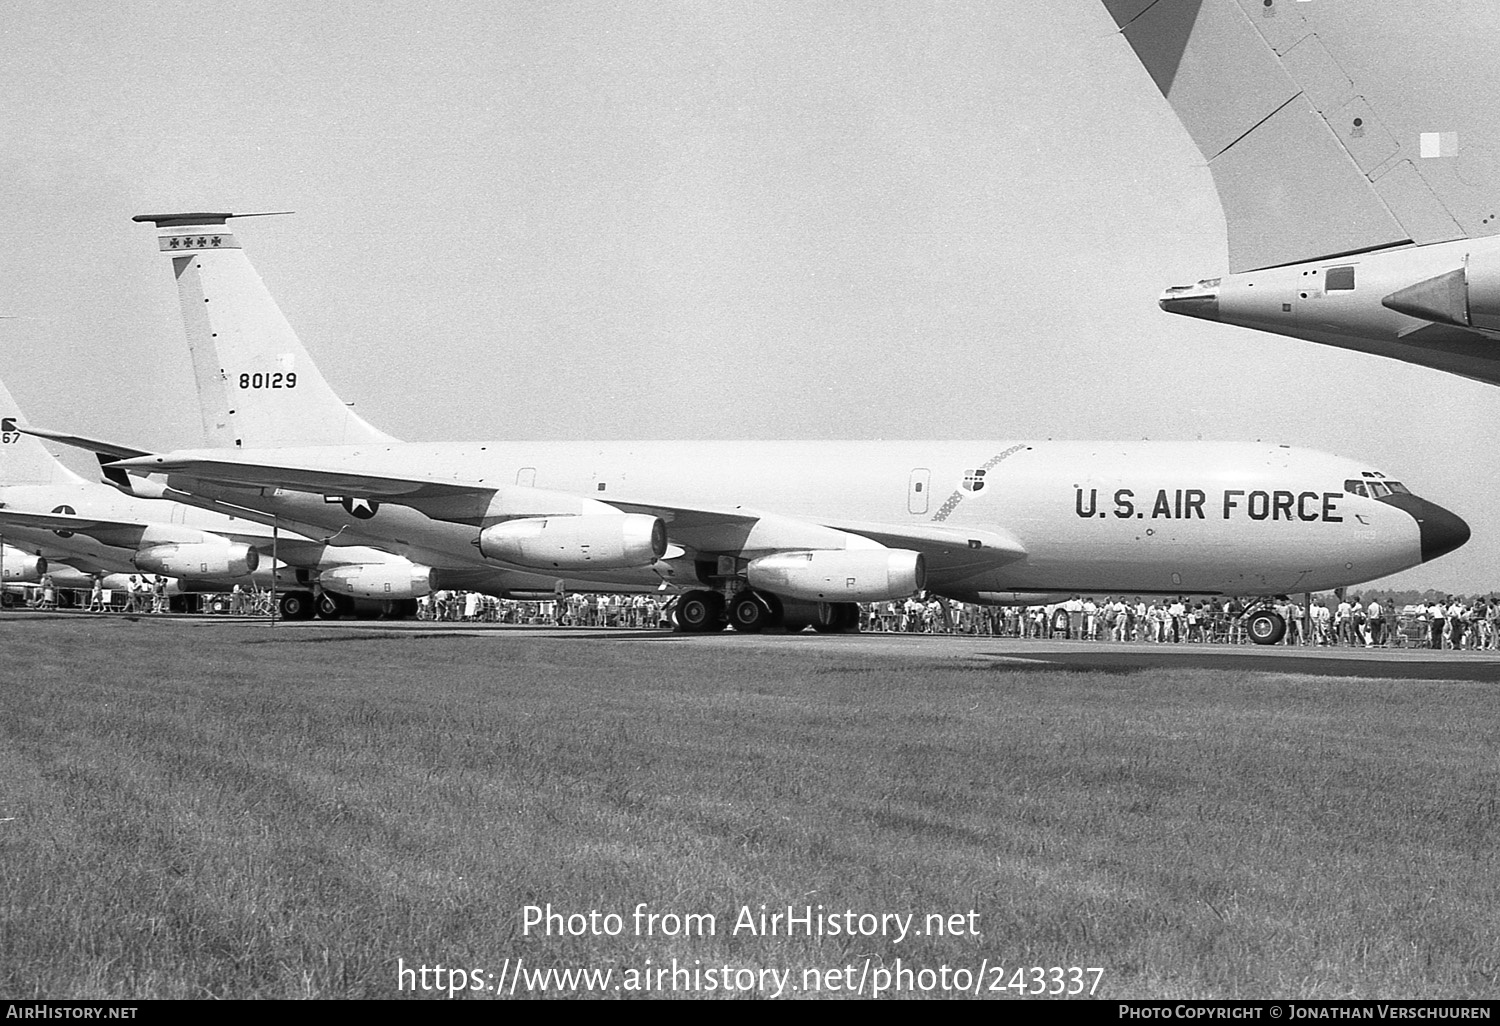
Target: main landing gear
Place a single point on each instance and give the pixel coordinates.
(1265, 626)
(837, 618)
(297, 605)
(751, 612)
(699, 612)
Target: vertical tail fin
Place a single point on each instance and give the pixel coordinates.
(24, 460)
(257, 385)
(1323, 140)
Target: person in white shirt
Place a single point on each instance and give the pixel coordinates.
(1435, 624)
(1374, 623)
(1074, 608)
(1458, 623)
(1175, 613)
(1322, 623)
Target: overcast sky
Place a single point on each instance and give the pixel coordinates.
(677, 220)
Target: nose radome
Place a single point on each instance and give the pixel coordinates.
(1441, 530)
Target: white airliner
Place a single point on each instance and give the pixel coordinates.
(1353, 146)
(48, 514)
(759, 533)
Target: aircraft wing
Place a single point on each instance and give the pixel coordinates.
(210, 467)
(749, 532)
(108, 532)
(948, 549)
(119, 533)
(704, 530)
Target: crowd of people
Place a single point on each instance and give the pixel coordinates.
(143, 593)
(582, 610)
(1373, 623)
(1450, 622)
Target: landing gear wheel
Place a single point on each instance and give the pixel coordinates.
(837, 618)
(331, 607)
(750, 613)
(296, 605)
(700, 611)
(1265, 627)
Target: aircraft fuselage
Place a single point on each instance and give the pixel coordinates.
(1243, 518)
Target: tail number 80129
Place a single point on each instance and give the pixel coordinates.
(276, 380)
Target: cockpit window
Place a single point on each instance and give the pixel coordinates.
(1379, 490)
(1339, 279)
(1398, 488)
(1354, 487)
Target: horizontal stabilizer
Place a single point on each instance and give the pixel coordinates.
(187, 220)
(94, 445)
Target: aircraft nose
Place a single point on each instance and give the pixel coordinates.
(1442, 531)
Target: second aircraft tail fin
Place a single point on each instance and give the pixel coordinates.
(257, 385)
(24, 459)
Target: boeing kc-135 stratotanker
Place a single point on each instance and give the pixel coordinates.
(759, 533)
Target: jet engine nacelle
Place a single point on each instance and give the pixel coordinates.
(840, 575)
(398, 580)
(189, 560)
(590, 542)
(22, 567)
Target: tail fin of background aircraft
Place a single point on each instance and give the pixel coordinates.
(24, 459)
(1320, 139)
(257, 385)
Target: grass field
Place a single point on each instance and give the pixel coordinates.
(196, 811)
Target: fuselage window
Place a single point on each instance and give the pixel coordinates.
(1339, 279)
(1354, 487)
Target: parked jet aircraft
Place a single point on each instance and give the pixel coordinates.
(760, 532)
(1353, 148)
(50, 513)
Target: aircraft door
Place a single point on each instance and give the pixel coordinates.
(917, 487)
(526, 477)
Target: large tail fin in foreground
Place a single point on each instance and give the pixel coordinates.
(257, 386)
(1353, 146)
(1321, 140)
(24, 459)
